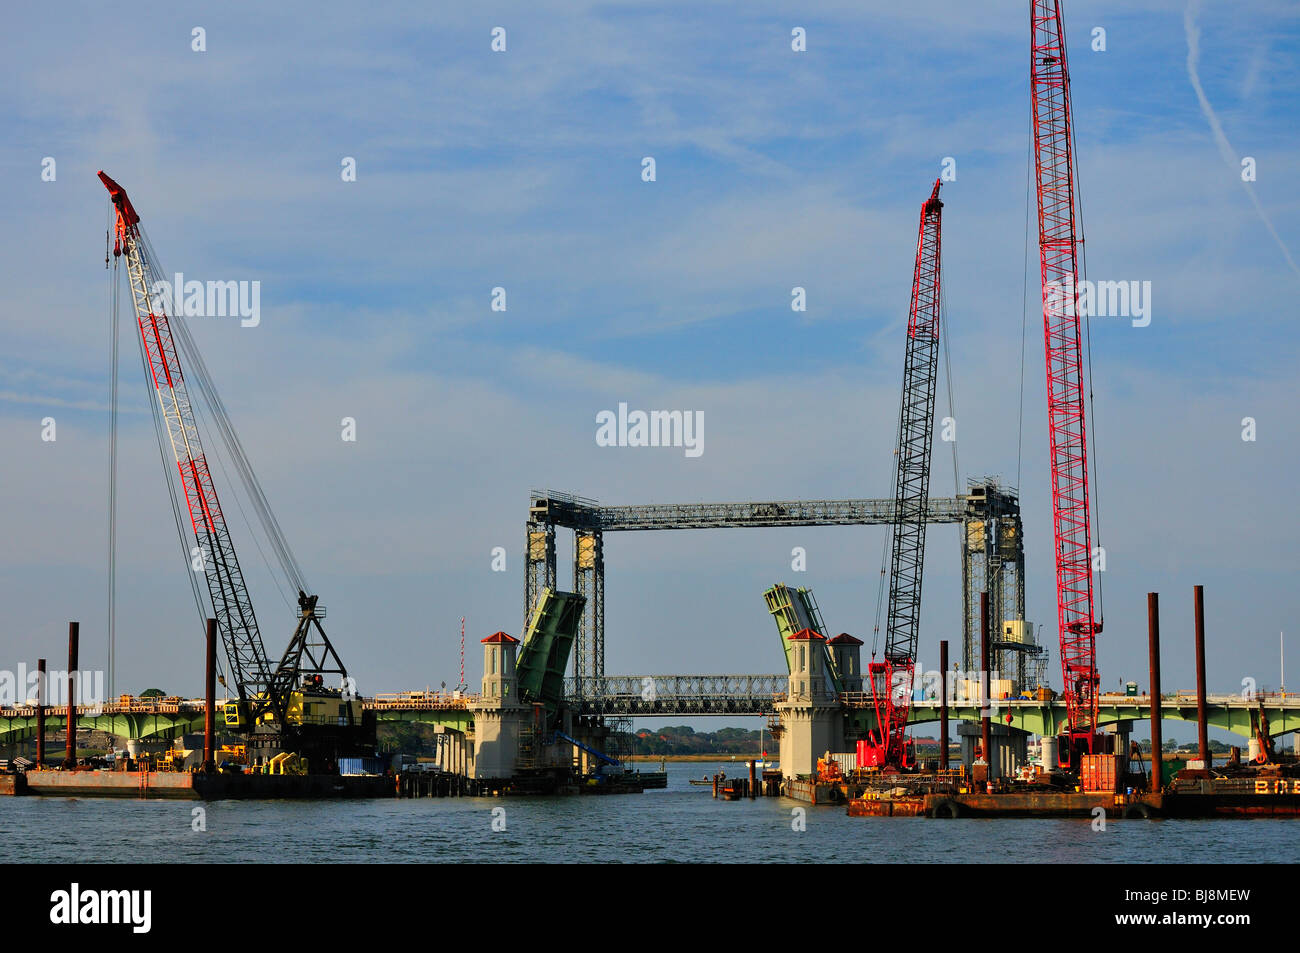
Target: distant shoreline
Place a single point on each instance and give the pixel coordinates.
(723, 758)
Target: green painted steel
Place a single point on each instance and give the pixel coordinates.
(545, 653)
(460, 719)
(781, 604)
(796, 610)
(1048, 718)
(163, 726)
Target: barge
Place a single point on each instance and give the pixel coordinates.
(194, 786)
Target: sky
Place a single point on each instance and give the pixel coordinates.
(522, 169)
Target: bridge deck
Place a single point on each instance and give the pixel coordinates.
(720, 695)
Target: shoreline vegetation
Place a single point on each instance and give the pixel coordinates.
(718, 758)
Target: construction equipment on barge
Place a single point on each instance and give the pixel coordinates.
(891, 679)
(284, 708)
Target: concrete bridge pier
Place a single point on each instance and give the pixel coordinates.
(1010, 747)
(1123, 732)
(455, 750)
(807, 732)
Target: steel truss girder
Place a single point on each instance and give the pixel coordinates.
(560, 510)
(677, 694)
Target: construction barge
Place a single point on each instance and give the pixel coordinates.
(1271, 790)
(1218, 798)
(218, 786)
(193, 786)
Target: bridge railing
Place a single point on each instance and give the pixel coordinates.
(142, 706)
(650, 688)
(425, 700)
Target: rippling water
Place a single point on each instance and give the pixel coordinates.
(681, 824)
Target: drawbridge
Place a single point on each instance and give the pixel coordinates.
(992, 559)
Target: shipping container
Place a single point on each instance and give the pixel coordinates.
(972, 690)
(1099, 772)
(848, 762)
(358, 766)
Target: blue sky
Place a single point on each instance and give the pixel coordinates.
(522, 169)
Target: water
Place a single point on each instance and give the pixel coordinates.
(682, 824)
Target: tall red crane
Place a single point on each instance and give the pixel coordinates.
(891, 680)
(1058, 255)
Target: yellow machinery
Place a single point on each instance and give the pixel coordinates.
(303, 708)
(286, 762)
(828, 770)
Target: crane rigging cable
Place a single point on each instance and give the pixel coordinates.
(1094, 485)
(278, 705)
(886, 546)
(198, 374)
(947, 373)
(203, 417)
(114, 323)
(1024, 309)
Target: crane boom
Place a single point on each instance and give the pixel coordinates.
(891, 680)
(286, 706)
(231, 604)
(1058, 255)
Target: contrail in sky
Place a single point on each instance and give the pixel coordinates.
(1225, 147)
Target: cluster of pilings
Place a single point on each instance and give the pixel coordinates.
(1157, 740)
(70, 757)
(986, 724)
(757, 784)
(433, 784)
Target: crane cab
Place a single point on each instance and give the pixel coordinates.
(235, 715)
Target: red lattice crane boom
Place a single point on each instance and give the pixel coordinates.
(1059, 254)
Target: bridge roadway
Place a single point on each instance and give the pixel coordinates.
(663, 695)
(641, 696)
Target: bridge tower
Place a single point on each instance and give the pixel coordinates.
(589, 581)
(812, 715)
(546, 512)
(993, 559)
(500, 716)
(847, 652)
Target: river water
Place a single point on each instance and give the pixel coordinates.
(680, 824)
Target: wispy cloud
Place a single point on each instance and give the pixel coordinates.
(1230, 155)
